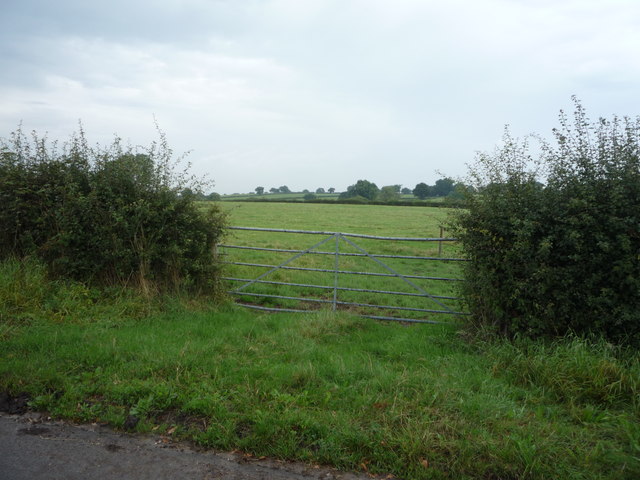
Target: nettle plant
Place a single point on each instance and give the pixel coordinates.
(554, 241)
(110, 215)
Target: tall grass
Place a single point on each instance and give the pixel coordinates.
(574, 370)
(28, 296)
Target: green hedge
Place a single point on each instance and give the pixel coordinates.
(554, 243)
(105, 215)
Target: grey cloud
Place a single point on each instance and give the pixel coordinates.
(120, 20)
(320, 91)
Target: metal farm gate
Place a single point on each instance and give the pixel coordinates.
(266, 273)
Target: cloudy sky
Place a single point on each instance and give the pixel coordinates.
(315, 93)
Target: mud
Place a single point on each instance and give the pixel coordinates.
(14, 404)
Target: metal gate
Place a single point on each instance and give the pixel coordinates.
(258, 280)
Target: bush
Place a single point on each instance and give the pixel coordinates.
(362, 188)
(554, 242)
(110, 216)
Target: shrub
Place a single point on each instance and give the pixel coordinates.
(110, 216)
(554, 242)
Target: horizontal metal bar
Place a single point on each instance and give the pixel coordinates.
(353, 235)
(285, 250)
(374, 317)
(271, 309)
(407, 309)
(344, 289)
(282, 297)
(272, 282)
(407, 320)
(350, 304)
(345, 272)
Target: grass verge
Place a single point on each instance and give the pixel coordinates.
(414, 402)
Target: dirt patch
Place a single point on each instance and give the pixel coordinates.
(14, 404)
(188, 422)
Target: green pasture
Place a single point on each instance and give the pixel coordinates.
(380, 220)
(385, 221)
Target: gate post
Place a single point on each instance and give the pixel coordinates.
(335, 273)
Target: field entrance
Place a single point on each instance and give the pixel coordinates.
(388, 278)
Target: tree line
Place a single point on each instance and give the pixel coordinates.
(365, 190)
(285, 189)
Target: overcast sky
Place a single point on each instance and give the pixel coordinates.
(315, 93)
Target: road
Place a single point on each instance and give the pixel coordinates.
(33, 446)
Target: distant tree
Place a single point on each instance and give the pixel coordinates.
(460, 190)
(214, 197)
(187, 192)
(320, 190)
(443, 187)
(284, 189)
(274, 190)
(194, 195)
(305, 191)
(390, 193)
(422, 191)
(259, 190)
(332, 190)
(309, 196)
(362, 188)
(406, 191)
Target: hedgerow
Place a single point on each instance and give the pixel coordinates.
(554, 241)
(110, 216)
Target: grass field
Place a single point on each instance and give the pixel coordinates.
(386, 221)
(371, 219)
(411, 402)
